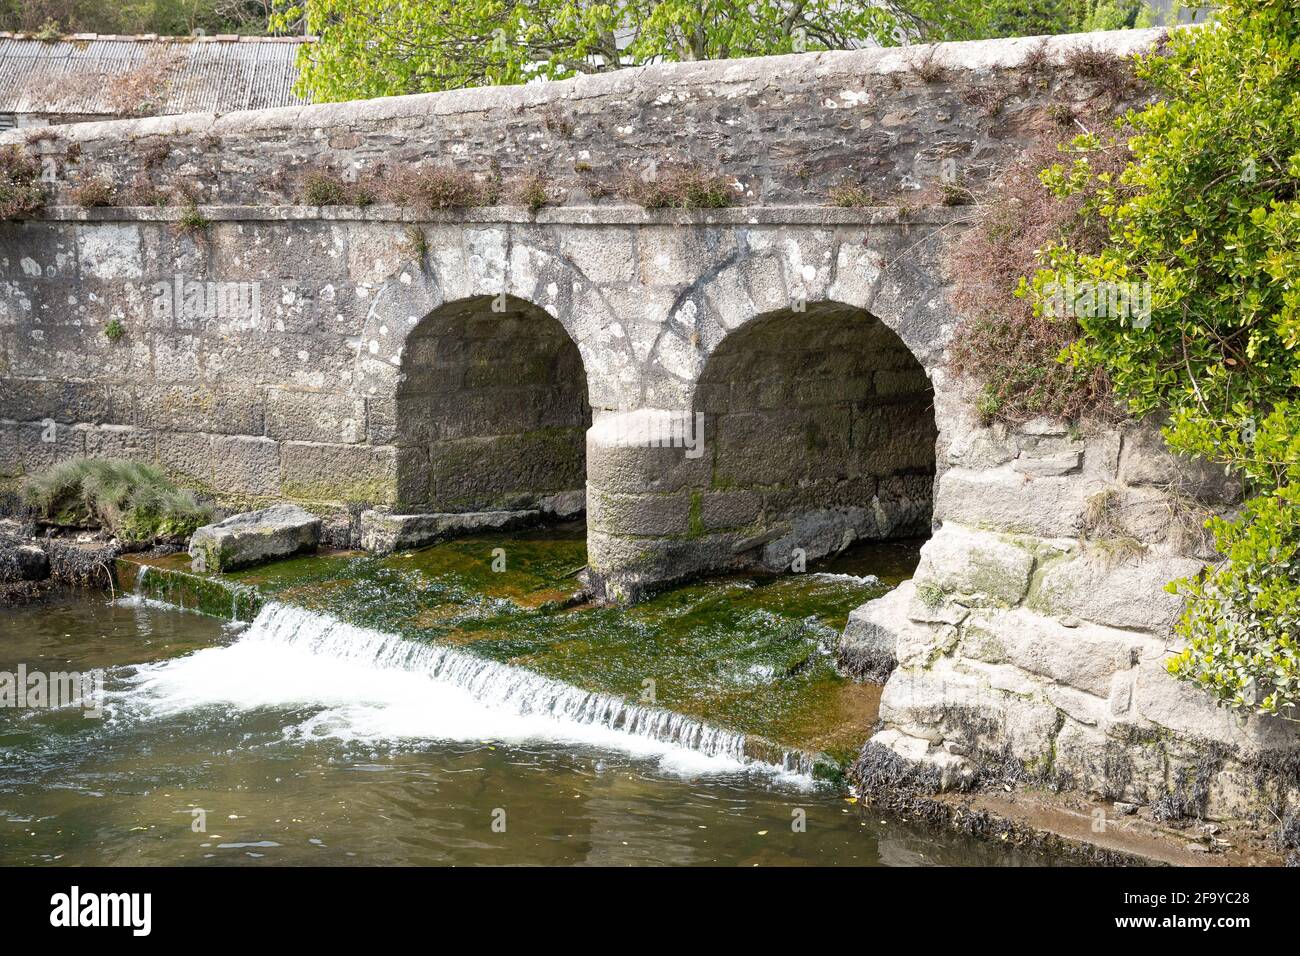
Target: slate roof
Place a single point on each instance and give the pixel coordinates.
(97, 75)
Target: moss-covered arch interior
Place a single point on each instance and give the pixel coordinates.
(825, 416)
(492, 411)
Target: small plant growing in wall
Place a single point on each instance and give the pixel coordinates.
(437, 187)
(677, 187)
(191, 220)
(927, 67)
(145, 192)
(955, 194)
(114, 331)
(415, 245)
(1112, 75)
(851, 196)
(530, 191)
(95, 191)
(930, 595)
(325, 187)
(557, 122)
(155, 154)
(21, 191)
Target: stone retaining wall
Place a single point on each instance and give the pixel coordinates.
(1031, 643)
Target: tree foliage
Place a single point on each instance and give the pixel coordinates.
(1206, 216)
(385, 47)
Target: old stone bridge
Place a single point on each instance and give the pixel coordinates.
(785, 358)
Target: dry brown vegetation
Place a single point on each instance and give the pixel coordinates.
(850, 195)
(1010, 353)
(1112, 75)
(325, 187)
(143, 191)
(139, 92)
(94, 190)
(677, 187)
(21, 191)
(437, 187)
(926, 66)
(530, 191)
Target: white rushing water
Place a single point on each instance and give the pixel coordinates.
(365, 685)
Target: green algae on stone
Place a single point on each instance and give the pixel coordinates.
(750, 654)
(169, 580)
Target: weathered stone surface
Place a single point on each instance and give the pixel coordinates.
(382, 532)
(249, 464)
(565, 505)
(816, 534)
(253, 537)
(1003, 499)
(869, 646)
(1123, 591)
(1061, 463)
(943, 703)
(316, 472)
(1086, 657)
(975, 568)
(952, 772)
(1145, 459)
(646, 515)
(20, 561)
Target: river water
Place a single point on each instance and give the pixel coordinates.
(291, 740)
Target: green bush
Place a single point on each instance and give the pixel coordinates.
(1205, 216)
(132, 500)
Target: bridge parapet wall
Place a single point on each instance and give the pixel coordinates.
(783, 130)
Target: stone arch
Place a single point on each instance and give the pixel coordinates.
(820, 420)
(491, 411)
(894, 274)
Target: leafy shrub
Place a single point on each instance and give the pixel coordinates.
(21, 192)
(132, 500)
(678, 187)
(1243, 617)
(1206, 214)
(114, 330)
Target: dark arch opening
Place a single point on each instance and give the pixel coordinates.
(826, 419)
(492, 411)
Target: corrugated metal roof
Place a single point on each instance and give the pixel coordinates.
(91, 74)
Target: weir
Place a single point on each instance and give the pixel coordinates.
(499, 686)
(744, 670)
